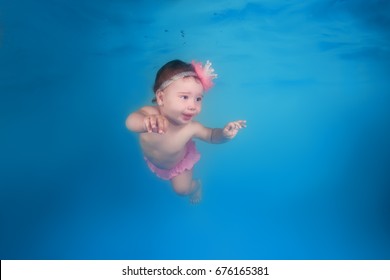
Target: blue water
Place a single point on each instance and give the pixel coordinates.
(308, 179)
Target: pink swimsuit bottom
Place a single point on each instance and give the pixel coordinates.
(187, 163)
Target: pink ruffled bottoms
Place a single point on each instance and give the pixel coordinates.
(191, 157)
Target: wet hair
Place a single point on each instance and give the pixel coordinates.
(168, 70)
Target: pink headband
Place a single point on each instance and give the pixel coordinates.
(204, 74)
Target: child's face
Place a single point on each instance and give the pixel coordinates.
(181, 101)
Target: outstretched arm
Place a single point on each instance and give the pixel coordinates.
(219, 135)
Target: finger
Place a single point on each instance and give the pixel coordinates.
(236, 125)
(160, 125)
(154, 124)
(229, 126)
(229, 133)
(240, 124)
(147, 124)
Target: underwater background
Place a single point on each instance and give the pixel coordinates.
(308, 178)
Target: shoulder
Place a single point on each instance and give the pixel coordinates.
(200, 131)
(195, 126)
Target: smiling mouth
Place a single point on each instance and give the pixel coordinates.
(187, 117)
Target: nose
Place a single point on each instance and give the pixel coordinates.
(191, 105)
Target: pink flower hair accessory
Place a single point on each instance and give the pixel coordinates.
(205, 74)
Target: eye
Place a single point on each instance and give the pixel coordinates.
(184, 97)
(198, 99)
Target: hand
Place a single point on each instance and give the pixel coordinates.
(232, 128)
(156, 124)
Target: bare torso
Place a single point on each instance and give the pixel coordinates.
(166, 150)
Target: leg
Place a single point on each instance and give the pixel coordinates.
(183, 184)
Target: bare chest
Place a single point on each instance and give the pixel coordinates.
(165, 150)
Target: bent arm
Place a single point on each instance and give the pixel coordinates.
(135, 121)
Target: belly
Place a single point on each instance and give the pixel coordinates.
(163, 154)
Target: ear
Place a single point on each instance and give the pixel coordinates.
(160, 97)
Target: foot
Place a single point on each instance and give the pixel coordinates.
(196, 195)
